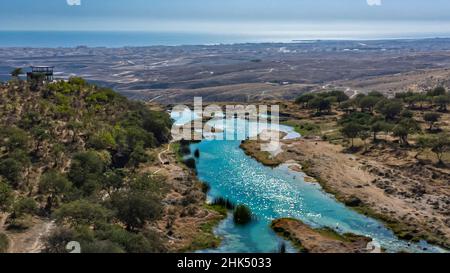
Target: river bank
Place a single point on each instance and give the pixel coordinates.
(395, 194)
(320, 240)
(188, 222)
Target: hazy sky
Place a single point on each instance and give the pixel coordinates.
(228, 16)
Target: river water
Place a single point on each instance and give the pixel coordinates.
(278, 193)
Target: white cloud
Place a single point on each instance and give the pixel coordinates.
(374, 3)
(73, 2)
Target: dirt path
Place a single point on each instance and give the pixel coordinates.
(163, 152)
(30, 241)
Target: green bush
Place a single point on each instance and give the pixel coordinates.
(4, 243)
(82, 212)
(223, 202)
(24, 206)
(242, 215)
(190, 163)
(6, 196)
(86, 171)
(135, 208)
(11, 169)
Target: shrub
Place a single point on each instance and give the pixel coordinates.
(57, 241)
(242, 215)
(55, 185)
(185, 150)
(390, 108)
(138, 155)
(223, 202)
(4, 243)
(82, 212)
(103, 140)
(19, 223)
(25, 206)
(431, 119)
(85, 171)
(11, 169)
(6, 196)
(205, 187)
(135, 208)
(145, 242)
(190, 163)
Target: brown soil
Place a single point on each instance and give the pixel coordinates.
(410, 198)
(309, 240)
(187, 222)
(30, 240)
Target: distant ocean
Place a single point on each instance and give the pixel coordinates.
(120, 39)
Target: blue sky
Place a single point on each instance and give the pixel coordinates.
(228, 16)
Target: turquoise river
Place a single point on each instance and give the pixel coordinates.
(276, 193)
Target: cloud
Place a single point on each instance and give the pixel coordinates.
(374, 3)
(74, 2)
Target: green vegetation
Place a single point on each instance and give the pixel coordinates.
(4, 243)
(303, 127)
(242, 215)
(372, 114)
(322, 102)
(70, 150)
(223, 202)
(416, 123)
(190, 163)
(16, 72)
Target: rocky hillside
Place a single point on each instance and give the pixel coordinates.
(69, 152)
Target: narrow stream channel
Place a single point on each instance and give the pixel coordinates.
(278, 193)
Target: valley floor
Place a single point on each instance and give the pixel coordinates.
(411, 196)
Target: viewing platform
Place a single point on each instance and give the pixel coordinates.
(41, 72)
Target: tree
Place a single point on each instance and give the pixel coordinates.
(135, 208)
(440, 145)
(339, 95)
(24, 206)
(11, 169)
(351, 130)
(376, 127)
(13, 138)
(55, 185)
(364, 135)
(113, 180)
(320, 104)
(442, 102)
(390, 108)
(431, 119)
(138, 155)
(347, 106)
(368, 103)
(404, 128)
(438, 91)
(82, 212)
(190, 163)
(305, 99)
(86, 171)
(16, 72)
(6, 196)
(375, 94)
(242, 215)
